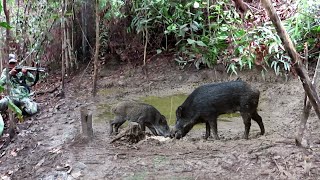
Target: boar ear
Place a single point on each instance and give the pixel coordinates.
(179, 112)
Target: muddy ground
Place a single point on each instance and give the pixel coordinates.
(50, 146)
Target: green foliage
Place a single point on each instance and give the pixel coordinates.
(4, 24)
(30, 24)
(201, 30)
(15, 109)
(115, 11)
(266, 49)
(12, 106)
(305, 24)
(214, 33)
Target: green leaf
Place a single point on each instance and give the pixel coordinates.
(15, 109)
(69, 14)
(274, 46)
(194, 27)
(172, 27)
(224, 28)
(1, 88)
(315, 29)
(200, 43)
(5, 25)
(240, 33)
(222, 37)
(191, 41)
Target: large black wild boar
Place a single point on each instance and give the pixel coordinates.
(144, 114)
(207, 102)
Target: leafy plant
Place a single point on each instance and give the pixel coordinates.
(208, 34)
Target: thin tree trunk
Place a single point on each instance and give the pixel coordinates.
(84, 28)
(297, 64)
(62, 48)
(75, 62)
(8, 35)
(65, 32)
(96, 54)
(19, 27)
(17, 22)
(145, 68)
(12, 124)
(69, 47)
(24, 29)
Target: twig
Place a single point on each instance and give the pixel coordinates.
(47, 91)
(261, 148)
(282, 170)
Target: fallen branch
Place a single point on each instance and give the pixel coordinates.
(261, 148)
(132, 134)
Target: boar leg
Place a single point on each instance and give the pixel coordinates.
(247, 123)
(207, 131)
(256, 117)
(117, 122)
(212, 121)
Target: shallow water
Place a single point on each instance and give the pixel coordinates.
(166, 105)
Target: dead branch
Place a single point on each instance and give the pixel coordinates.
(307, 108)
(133, 133)
(261, 148)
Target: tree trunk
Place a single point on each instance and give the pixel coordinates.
(12, 124)
(84, 29)
(297, 64)
(24, 27)
(63, 48)
(8, 35)
(65, 32)
(96, 54)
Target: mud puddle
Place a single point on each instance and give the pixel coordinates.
(167, 106)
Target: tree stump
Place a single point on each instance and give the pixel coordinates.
(86, 123)
(132, 134)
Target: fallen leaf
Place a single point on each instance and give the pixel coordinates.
(39, 163)
(56, 150)
(4, 177)
(76, 174)
(66, 167)
(13, 153)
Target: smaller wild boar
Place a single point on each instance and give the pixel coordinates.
(144, 114)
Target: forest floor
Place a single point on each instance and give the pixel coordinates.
(50, 146)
